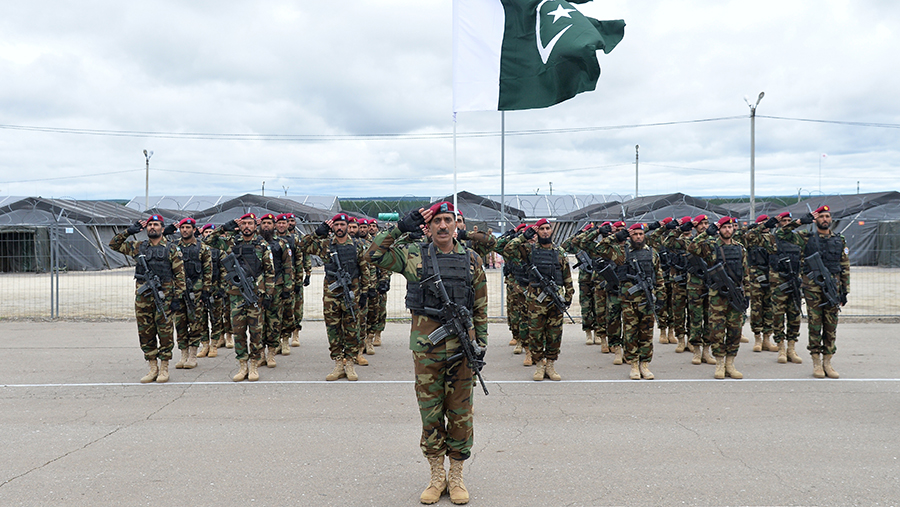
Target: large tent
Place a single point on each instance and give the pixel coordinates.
(484, 212)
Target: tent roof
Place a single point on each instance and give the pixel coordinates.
(196, 203)
(842, 205)
(87, 212)
(303, 212)
(554, 206)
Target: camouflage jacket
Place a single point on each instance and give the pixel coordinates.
(678, 240)
(406, 259)
(760, 237)
(287, 262)
(225, 242)
(321, 247)
(801, 238)
(204, 283)
(483, 243)
(519, 250)
(704, 246)
(572, 245)
(176, 286)
(615, 252)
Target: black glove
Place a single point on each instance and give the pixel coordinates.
(671, 225)
(322, 230)
(659, 304)
(411, 222)
(771, 223)
(480, 351)
(266, 301)
(384, 286)
(134, 228)
(363, 298)
(712, 230)
(230, 226)
(169, 230)
(416, 235)
(622, 235)
(175, 305)
(652, 226)
(204, 296)
(529, 232)
(807, 219)
(298, 288)
(843, 298)
(752, 226)
(371, 293)
(462, 235)
(306, 280)
(286, 294)
(197, 233)
(687, 226)
(605, 230)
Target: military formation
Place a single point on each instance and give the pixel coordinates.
(240, 285)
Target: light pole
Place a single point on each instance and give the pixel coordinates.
(753, 154)
(147, 155)
(636, 148)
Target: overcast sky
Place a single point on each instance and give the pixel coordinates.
(334, 74)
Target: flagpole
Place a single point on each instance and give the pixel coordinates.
(503, 200)
(454, 161)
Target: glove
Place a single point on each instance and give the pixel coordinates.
(480, 351)
(298, 288)
(322, 230)
(411, 222)
(652, 226)
(383, 286)
(169, 230)
(197, 233)
(286, 294)
(175, 305)
(605, 230)
(134, 228)
(529, 233)
(306, 279)
(807, 219)
(230, 225)
(752, 226)
(363, 298)
(671, 225)
(462, 235)
(204, 296)
(267, 301)
(371, 293)
(843, 298)
(771, 223)
(687, 226)
(659, 304)
(712, 230)
(416, 235)
(621, 235)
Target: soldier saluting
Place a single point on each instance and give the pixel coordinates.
(157, 262)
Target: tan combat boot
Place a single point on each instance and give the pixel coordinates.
(730, 370)
(229, 341)
(758, 344)
(671, 335)
(370, 345)
(826, 365)
(635, 371)
(539, 372)
(286, 346)
(600, 339)
(242, 372)
(220, 343)
(588, 337)
(376, 340)
(458, 492)
(262, 357)
(348, 369)
(792, 354)
(618, 351)
(681, 344)
(438, 483)
(663, 335)
(550, 371)
(646, 374)
(698, 355)
(360, 360)
(338, 371)
(191, 362)
(767, 343)
(782, 352)
(253, 370)
(518, 349)
(744, 339)
(184, 355)
(707, 355)
(213, 348)
(151, 375)
(204, 349)
(528, 360)
(163, 376)
(295, 338)
(818, 372)
(270, 358)
(512, 341)
(720, 368)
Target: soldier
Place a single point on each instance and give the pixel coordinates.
(218, 322)
(190, 321)
(366, 313)
(341, 325)
(642, 275)
(305, 262)
(254, 257)
(757, 239)
(585, 287)
(482, 242)
(698, 296)
(516, 280)
(822, 305)
(613, 299)
(787, 295)
(283, 297)
(545, 318)
(378, 307)
(725, 314)
(163, 259)
(443, 388)
(655, 238)
(677, 288)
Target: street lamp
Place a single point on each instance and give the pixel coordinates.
(753, 154)
(147, 155)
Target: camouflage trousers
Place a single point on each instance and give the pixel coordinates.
(155, 334)
(614, 317)
(273, 330)
(243, 318)
(637, 326)
(724, 325)
(664, 315)
(785, 314)
(678, 317)
(190, 331)
(544, 327)
(599, 309)
(217, 321)
(298, 311)
(444, 395)
(287, 314)
(586, 300)
(761, 313)
(822, 323)
(342, 329)
(698, 314)
(376, 316)
(515, 312)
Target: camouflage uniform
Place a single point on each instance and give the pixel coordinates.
(784, 263)
(585, 285)
(758, 240)
(516, 281)
(607, 305)
(217, 321)
(304, 268)
(697, 295)
(198, 277)
(443, 391)
(678, 275)
(283, 299)
(155, 333)
(288, 317)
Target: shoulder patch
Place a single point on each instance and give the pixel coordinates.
(846, 251)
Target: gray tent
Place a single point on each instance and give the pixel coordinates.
(484, 212)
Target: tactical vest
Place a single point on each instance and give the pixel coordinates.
(734, 262)
(292, 243)
(347, 255)
(277, 262)
(678, 259)
(193, 268)
(787, 259)
(517, 270)
(245, 251)
(644, 257)
(456, 273)
(547, 262)
(215, 256)
(758, 256)
(157, 258)
(829, 248)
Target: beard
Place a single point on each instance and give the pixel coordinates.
(153, 234)
(340, 233)
(267, 235)
(545, 241)
(637, 245)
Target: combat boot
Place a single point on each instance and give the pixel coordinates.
(512, 341)
(295, 338)
(588, 337)
(458, 492)
(818, 371)
(744, 339)
(635, 371)
(204, 349)
(220, 343)
(758, 344)
(600, 339)
(191, 362)
(792, 354)
(229, 341)
(707, 355)
(348, 369)
(528, 360)
(826, 365)
(377, 339)
(671, 335)
(730, 370)
(270, 358)
(242, 372)
(618, 351)
(518, 349)
(262, 357)
(720, 367)
(539, 372)
(184, 355)
(438, 483)
(681, 344)
(550, 371)
(646, 374)
(338, 371)
(163, 376)
(782, 352)
(151, 375)
(286, 346)
(698, 355)
(213, 348)
(253, 372)
(370, 345)
(360, 360)
(663, 333)
(767, 343)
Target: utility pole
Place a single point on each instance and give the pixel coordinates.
(147, 155)
(636, 148)
(753, 154)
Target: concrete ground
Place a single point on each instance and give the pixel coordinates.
(79, 430)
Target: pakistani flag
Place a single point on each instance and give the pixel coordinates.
(525, 54)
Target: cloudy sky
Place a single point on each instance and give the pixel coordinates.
(353, 99)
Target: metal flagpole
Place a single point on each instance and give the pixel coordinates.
(454, 161)
(502, 202)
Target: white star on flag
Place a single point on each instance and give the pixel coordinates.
(560, 13)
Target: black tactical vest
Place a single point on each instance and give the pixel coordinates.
(215, 258)
(644, 257)
(193, 268)
(734, 262)
(277, 262)
(517, 270)
(456, 273)
(347, 255)
(758, 256)
(157, 258)
(547, 262)
(829, 248)
(245, 252)
(787, 259)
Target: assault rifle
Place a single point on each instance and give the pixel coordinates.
(717, 278)
(238, 277)
(549, 289)
(642, 283)
(584, 262)
(822, 277)
(343, 280)
(457, 321)
(151, 284)
(189, 305)
(792, 285)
